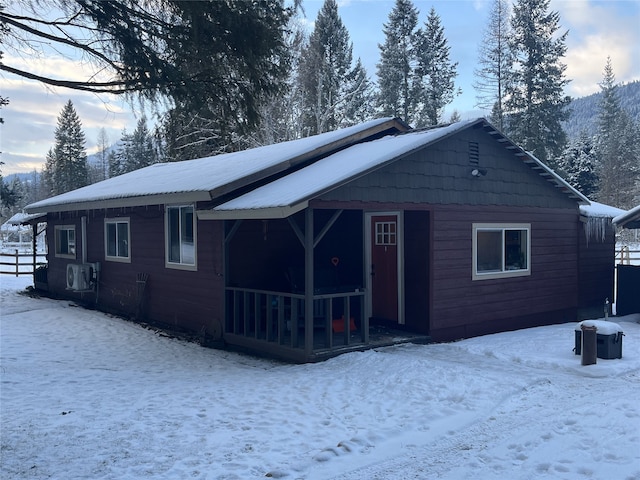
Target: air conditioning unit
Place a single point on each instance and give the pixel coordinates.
(79, 276)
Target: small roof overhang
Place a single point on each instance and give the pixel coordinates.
(629, 219)
(27, 219)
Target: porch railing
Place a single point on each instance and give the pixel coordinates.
(278, 318)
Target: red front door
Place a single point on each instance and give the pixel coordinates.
(384, 267)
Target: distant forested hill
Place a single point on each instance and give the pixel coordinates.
(584, 110)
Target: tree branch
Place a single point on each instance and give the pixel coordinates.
(116, 87)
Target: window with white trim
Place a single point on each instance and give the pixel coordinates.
(180, 227)
(117, 239)
(501, 250)
(65, 241)
(385, 233)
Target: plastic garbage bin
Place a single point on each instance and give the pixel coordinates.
(608, 338)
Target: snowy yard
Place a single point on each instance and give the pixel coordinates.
(85, 395)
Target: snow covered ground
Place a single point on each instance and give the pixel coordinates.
(85, 395)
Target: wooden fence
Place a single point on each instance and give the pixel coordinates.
(17, 263)
(627, 256)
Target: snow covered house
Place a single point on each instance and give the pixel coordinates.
(309, 248)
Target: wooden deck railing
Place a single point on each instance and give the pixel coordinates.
(278, 317)
(14, 263)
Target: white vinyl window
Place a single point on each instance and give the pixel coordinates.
(501, 250)
(180, 227)
(117, 239)
(65, 241)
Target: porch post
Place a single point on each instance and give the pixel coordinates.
(308, 282)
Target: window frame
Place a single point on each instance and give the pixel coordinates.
(115, 221)
(71, 245)
(503, 272)
(181, 265)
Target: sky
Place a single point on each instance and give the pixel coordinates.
(597, 29)
(89, 395)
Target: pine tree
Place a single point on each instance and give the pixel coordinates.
(280, 113)
(324, 68)
(578, 165)
(536, 103)
(494, 63)
(358, 97)
(137, 150)
(66, 164)
(435, 73)
(617, 147)
(397, 63)
(102, 168)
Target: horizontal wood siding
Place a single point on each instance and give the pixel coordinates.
(461, 305)
(181, 299)
(596, 272)
(416, 270)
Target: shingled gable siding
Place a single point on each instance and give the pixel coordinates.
(441, 174)
(177, 295)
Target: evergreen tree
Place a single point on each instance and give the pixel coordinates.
(101, 171)
(536, 104)
(435, 73)
(324, 72)
(617, 147)
(494, 63)
(225, 53)
(137, 150)
(280, 113)
(66, 164)
(578, 165)
(358, 97)
(397, 63)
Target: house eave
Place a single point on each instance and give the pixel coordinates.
(252, 214)
(122, 202)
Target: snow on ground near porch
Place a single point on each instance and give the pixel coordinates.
(85, 395)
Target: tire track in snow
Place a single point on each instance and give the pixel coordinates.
(498, 444)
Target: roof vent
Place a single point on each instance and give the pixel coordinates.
(474, 153)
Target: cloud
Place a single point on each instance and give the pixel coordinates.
(31, 118)
(598, 30)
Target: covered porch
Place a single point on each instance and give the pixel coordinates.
(296, 287)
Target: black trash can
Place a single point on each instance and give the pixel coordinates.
(608, 338)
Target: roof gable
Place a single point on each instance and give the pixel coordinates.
(291, 193)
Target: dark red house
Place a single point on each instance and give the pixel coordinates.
(309, 248)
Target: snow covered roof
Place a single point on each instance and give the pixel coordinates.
(599, 210)
(630, 219)
(298, 171)
(25, 218)
(291, 193)
(207, 178)
(597, 218)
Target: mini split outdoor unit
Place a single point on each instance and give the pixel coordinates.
(80, 276)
